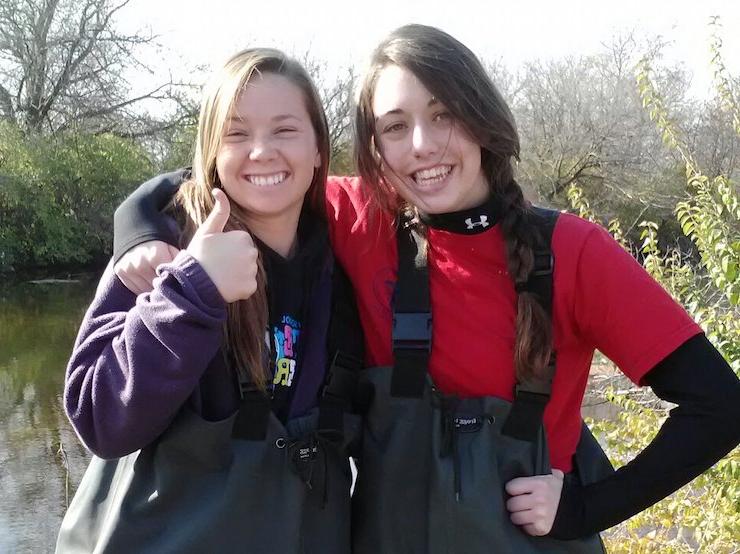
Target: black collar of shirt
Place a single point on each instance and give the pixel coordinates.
(465, 222)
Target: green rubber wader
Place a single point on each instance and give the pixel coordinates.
(431, 481)
(197, 490)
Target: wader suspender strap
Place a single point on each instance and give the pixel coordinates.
(346, 346)
(531, 397)
(341, 384)
(412, 325)
(254, 411)
(412, 318)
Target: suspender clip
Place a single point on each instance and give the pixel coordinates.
(341, 379)
(412, 331)
(543, 263)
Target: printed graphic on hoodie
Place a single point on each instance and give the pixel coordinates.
(286, 340)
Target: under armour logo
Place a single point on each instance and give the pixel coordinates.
(473, 224)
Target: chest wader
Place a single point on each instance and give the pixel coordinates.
(433, 467)
(245, 484)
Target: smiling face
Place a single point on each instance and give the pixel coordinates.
(428, 157)
(268, 151)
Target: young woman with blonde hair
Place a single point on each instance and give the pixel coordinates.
(210, 436)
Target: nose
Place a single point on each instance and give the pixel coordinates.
(423, 140)
(261, 149)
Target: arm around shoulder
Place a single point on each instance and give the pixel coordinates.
(139, 219)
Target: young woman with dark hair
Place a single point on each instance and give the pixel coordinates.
(481, 316)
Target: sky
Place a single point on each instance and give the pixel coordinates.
(199, 32)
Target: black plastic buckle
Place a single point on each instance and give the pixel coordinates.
(345, 361)
(412, 331)
(544, 268)
(341, 380)
(248, 388)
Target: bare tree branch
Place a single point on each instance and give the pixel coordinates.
(63, 64)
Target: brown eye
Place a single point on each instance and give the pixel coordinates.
(394, 128)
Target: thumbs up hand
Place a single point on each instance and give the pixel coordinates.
(229, 259)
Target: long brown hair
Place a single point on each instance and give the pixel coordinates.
(455, 76)
(247, 319)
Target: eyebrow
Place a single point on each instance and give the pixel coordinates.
(286, 116)
(432, 101)
(276, 119)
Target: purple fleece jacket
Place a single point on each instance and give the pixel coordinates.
(137, 360)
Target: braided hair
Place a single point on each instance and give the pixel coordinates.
(455, 76)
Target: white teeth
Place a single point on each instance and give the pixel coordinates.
(432, 175)
(267, 180)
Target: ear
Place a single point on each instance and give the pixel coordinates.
(317, 160)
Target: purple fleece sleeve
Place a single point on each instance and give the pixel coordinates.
(136, 360)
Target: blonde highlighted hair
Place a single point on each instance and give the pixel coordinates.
(247, 320)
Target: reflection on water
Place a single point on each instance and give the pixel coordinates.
(41, 459)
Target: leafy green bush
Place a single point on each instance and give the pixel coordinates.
(705, 515)
(58, 193)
